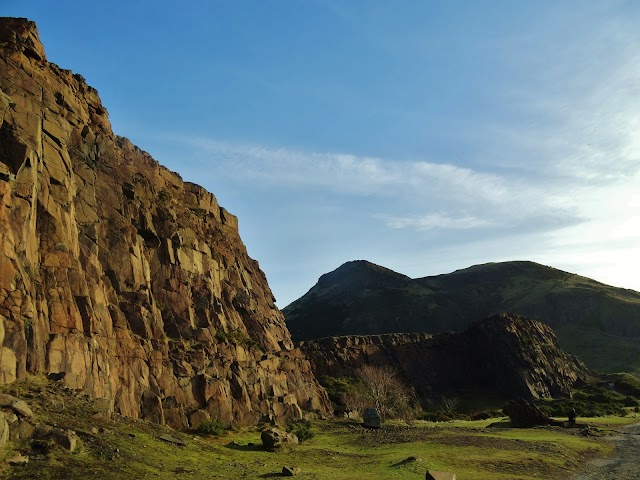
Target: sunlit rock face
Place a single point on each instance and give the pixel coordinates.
(119, 277)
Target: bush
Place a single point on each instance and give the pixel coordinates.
(212, 427)
(164, 197)
(627, 384)
(236, 337)
(485, 414)
(442, 415)
(301, 429)
(592, 401)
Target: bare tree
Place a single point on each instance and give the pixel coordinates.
(386, 391)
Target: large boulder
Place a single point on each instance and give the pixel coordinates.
(371, 418)
(524, 414)
(17, 405)
(274, 439)
(435, 475)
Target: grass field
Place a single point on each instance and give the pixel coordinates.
(339, 450)
(123, 448)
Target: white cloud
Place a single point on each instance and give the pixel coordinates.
(436, 221)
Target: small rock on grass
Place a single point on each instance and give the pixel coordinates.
(168, 438)
(290, 471)
(18, 460)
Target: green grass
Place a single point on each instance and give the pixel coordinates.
(339, 450)
(124, 448)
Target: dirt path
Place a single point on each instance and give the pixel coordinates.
(625, 462)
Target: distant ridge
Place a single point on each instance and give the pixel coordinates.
(597, 322)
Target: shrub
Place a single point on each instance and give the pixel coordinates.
(164, 197)
(337, 387)
(627, 384)
(236, 337)
(301, 429)
(212, 427)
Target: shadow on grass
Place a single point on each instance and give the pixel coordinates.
(271, 475)
(250, 447)
(404, 462)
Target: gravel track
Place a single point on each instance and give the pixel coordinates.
(625, 463)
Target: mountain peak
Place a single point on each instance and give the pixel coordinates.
(364, 274)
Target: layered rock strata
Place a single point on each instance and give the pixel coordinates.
(120, 279)
(509, 354)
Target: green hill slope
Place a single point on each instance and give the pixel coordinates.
(597, 322)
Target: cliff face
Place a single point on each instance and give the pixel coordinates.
(509, 354)
(127, 282)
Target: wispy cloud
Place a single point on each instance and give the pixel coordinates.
(420, 194)
(436, 221)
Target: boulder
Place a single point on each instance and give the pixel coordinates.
(21, 429)
(171, 439)
(290, 471)
(275, 439)
(371, 418)
(18, 460)
(65, 439)
(197, 418)
(524, 414)
(17, 405)
(435, 475)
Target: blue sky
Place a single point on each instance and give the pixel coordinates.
(425, 136)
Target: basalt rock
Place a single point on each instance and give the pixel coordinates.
(119, 279)
(510, 354)
(523, 414)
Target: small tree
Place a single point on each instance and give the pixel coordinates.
(386, 391)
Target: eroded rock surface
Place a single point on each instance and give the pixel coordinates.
(117, 277)
(510, 354)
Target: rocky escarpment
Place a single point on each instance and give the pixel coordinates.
(512, 355)
(598, 323)
(117, 277)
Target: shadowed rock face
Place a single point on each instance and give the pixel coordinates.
(114, 271)
(598, 323)
(504, 353)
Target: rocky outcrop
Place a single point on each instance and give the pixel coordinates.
(120, 279)
(509, 354)
(598, 323)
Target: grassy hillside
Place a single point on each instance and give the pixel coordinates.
(597, 322)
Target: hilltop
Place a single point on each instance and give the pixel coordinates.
(597, 322)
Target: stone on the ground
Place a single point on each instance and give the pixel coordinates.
(18, 406)
(371, 418)
(21, 430)
(18, 460)
(65, 439)
(171, 439)
(6, 400)
(290, 471)
(198, 417)
(436, 475)
(276, 439)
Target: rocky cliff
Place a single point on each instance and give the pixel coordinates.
(509, 354)
(598, 323)
(119, 278)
